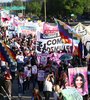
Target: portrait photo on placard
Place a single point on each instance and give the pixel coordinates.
(78, 79)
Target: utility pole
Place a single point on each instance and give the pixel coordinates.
(45, 10)
(22, 6)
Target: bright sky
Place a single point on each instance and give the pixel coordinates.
(5, 1)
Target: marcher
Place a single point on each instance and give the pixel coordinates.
(34, 75)
(21, 82)
(27, 72)
(57, 90)
(36, 95)
(8, 83)
(20, 61)
(48, 87)
(41, 77)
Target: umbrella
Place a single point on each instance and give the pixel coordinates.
(66, 56)
(71, 93)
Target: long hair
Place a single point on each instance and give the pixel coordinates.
(36, 94)
(83, 80)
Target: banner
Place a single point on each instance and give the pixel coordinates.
(29, 28)
(80, 29)
(78, 79)
(5, 18)
(49, 28)
(50, 42)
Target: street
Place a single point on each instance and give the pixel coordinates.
(26, 96)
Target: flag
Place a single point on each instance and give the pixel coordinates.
(68, 28)
(7, 54)
(81, 50)
(68, 35)
(2, 57)
(10, 52)
(63, 33)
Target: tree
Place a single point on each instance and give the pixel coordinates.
(62, 9)
(86, 13)
(16, 3)
(65, 7)
(34, 7)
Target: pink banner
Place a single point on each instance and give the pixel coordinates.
(42, 58)
(50, 28)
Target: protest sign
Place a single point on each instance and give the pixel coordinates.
(78, 79)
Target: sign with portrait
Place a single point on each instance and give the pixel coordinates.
(78, 79)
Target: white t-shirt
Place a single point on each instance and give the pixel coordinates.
(2, 63)
(28, 73)
(20, 58)
(48, 86)
(34, 69)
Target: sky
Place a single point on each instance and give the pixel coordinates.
(5, 1)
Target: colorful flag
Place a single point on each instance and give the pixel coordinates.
(7, 54)
(10, 52)
(66, 32)
(2, 57)
(70, 30)
(68, 35)
(80, 49)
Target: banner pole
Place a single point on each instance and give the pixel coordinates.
(45, 9)
(72, 45)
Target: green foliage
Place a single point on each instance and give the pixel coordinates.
(17, 3)
(35, 8)
(56, 8)
(66, 7)
(87, 6)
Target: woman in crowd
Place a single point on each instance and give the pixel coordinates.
(41, 77)
(36, 95)
(8, 83)
(57, 90)
(63, 80)
(48, 86)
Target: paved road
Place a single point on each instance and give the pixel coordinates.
(26, 96)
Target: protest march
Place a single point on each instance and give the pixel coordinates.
(55, 57)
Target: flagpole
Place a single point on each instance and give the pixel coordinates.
(72, 45)
(22, 6)
(45, 10)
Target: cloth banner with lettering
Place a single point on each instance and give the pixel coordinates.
(47, 42)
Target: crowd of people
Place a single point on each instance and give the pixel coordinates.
(50, 81)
